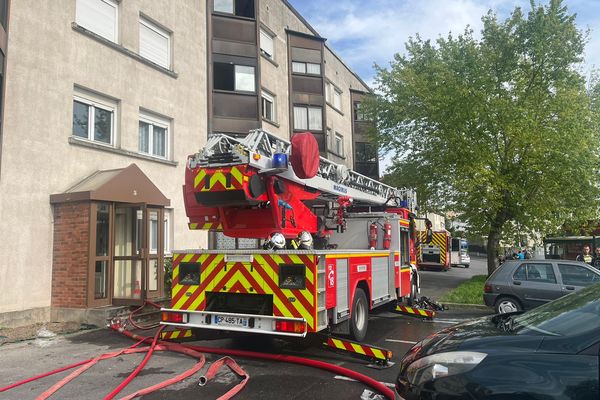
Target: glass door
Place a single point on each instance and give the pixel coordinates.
(130, 254)
(99, 277)
(155, 252)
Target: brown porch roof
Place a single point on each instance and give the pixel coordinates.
(124, 185)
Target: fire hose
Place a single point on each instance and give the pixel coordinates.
(196, 352)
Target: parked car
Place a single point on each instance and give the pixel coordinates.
(550, 352)
(524, 284)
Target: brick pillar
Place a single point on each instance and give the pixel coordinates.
(70, 256)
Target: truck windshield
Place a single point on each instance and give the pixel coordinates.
(571, 315)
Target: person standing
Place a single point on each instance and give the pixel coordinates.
(586, 256)
(596, 259)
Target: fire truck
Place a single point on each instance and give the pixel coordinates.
(433, 248)
(337, 244)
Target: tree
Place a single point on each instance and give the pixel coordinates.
(500, 129)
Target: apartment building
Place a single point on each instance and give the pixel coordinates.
(102, 100)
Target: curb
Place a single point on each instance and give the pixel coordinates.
(463, 306)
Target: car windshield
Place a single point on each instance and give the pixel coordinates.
(574, 314)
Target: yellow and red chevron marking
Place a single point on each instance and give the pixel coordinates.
(176, 334)
(218, 179)
(361, 349)
(419, 312)
(437, 239)
(404, 222)
(261, 276)
(212, 226)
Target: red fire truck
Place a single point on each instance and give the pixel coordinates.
(337, 243)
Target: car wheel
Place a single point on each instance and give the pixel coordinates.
(360, 315)
(467, 265)
(507, 305)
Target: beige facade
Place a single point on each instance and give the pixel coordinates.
(56, 62)
(49, 62)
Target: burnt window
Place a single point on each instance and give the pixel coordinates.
(241, 8)
(366, 160)
(239, 78)
(359, 114)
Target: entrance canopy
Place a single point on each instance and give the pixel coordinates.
(124, 185)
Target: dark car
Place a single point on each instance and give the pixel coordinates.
(524, 284)
(550, 352)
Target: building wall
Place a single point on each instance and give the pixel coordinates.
(47, 58)
(70, 253)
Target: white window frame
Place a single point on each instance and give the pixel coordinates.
(333, 96)
(269, 97)
(92, 103)
(338, 138)
(271, 38)
(161, 32)
(308, 127)
(112, 4)
(161, 123)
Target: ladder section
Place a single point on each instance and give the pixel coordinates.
(332, 180)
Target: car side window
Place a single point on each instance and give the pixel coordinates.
(577, 275)
(541, 273)
(521, 273)
(535, 273)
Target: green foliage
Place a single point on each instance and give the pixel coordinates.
(168, 275)
(468, 292)
(498, 129)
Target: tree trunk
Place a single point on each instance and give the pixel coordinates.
(492, 249)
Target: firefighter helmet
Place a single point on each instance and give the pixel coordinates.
(278, 240)
(305, 240)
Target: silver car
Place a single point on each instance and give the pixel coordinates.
(524, 284)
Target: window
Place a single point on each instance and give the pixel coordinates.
(535, 273)
(155, 43)
(94, 120)
(167, 233)
(308, 118)
(577, 275)
(153, 232)
(241, 8)
(98, 16)
(233, 77)
(333, 96)
(267, 45)
(306, 68)
(268, 107)
(338, 145)
(359, 114)
(154, 136)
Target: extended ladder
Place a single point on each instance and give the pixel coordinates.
(332, 179)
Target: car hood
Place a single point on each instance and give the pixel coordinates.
(480, 334)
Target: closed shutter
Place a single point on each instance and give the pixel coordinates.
(154, 44)
(266, 44)
(98, 16)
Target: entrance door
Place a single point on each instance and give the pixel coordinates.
(130, 254)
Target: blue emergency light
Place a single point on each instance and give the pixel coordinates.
(280, 160)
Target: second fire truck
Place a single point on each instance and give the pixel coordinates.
(337, 244)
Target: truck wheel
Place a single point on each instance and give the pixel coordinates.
(360, 316)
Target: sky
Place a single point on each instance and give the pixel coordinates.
(363, 32)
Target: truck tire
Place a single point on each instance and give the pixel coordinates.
(412, 297)
(359, 320)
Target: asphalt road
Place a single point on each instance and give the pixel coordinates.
(268, 380)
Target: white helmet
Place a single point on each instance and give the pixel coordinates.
(278, 240)
(305, 240)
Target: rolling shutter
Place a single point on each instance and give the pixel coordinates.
(98, 16)
(154, 44)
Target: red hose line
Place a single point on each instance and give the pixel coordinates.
(380, 387)
(136, 371)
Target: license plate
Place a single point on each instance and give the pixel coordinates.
(230, 321)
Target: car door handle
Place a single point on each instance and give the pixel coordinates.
(516, 282)
(569, 287)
